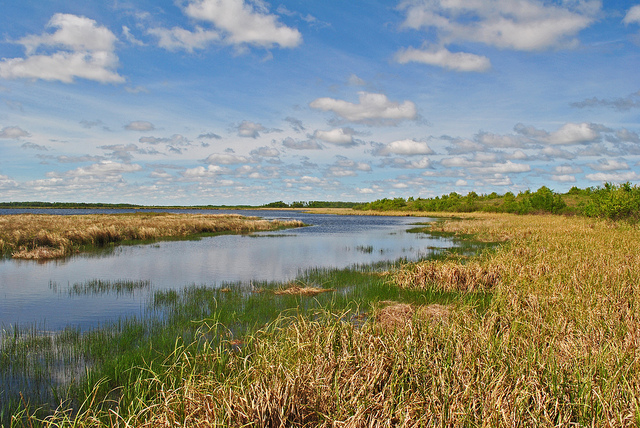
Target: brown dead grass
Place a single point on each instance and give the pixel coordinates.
(29, 236)
(395, 315)
(302, 291)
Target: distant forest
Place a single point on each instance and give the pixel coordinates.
(611, 201)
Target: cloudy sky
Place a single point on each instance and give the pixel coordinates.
(251, 101)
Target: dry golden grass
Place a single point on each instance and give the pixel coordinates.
(30, 236)
(558, 346)
(302, 291)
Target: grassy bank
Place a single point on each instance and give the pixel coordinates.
(29, 236)
(556, 345)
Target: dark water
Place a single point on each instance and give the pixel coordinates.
(68, 292)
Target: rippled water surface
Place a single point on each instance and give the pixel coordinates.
(72, 292)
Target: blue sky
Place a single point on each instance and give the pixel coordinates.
(246, 102)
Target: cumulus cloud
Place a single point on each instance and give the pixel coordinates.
(296, 124)
(7, 183)
(13, 133)
(225, 159)
(619, 104)
(178, 38)
(422, 163)
(174, 140)
(266, 152)
(250, 129)
(34, 146)
(574, 133)
(372, 109)
(502, 168)
(339, 136)
(618, 177)
(564, 178)
(102, 169)
(244, 23)
(633, 15)
(568, 134)
(140, 125)
(405, 147)
(609, 165)
(85, 50)
(442, 57)
(209, 136)
(202, 172)
(502, 141)
(290, 143)
(344, 167)
(526, 25)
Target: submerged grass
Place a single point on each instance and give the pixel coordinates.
(551, 340)
(40, 236)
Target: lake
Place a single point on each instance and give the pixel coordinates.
(56, 294)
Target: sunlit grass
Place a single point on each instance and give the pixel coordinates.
(551, 339)
(29, 236)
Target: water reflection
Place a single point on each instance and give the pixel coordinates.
(27, 295)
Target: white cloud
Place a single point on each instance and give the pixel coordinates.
(290, 143)
(250, 129)
(140, 125)
(502, 168)
(633, 15)
(13, 132)
(526, 25)
(267, 152)
(372, 109)
(461, 182)
(339, 136)
(441, 57)
(202, 172)
(459, 161)
(103, 169)
(85, 50)
(574, 133)
(245, 23)
(564, 178)
(422, 163)
(502, 141)
(566, 169)
(608, 165)
(6, 182)
(619, 177)
(76, 33)
(406, 147)
(178, 38)
(225, 159)
(568, 134)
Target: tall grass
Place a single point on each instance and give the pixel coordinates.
(557, 345)
(29, 236)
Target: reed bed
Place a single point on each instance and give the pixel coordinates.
(557, 345)
(29, 236)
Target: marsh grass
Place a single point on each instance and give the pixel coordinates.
(38, 237)
(552, 341)
(101, 287)
(112, 361)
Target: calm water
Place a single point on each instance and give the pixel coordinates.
(43, 293)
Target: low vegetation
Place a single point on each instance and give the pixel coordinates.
(556, 345)
(29, 236)
(616, 202)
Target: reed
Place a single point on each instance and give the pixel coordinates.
(556, 345)
(29, 236)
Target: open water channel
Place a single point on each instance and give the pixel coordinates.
(45, 294)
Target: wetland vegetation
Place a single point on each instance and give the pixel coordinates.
(540, 330)
(29, 236)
